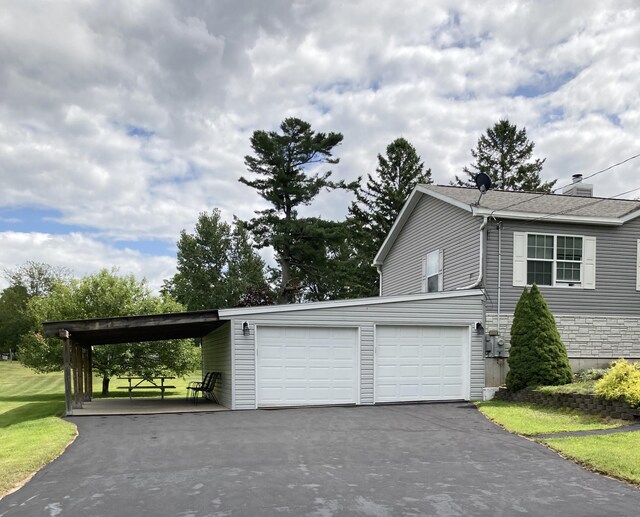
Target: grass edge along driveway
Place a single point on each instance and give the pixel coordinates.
(616, 455)
(32, 434)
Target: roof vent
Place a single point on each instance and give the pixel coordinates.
(577, 188)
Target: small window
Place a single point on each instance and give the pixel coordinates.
(432, 272)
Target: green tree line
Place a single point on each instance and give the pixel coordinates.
(218, 264)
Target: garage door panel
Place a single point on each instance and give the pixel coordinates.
(317, 365)
(420, 363)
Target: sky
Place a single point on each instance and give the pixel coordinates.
(121, 121)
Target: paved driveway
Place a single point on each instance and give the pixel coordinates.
(435, 459)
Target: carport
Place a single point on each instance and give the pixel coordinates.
(80, 336)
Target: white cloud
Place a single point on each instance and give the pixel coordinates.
(84, 254)
(131, 118)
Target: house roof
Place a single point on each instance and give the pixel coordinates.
(517, 205)
(536, 203)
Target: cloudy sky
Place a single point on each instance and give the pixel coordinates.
(120, 121)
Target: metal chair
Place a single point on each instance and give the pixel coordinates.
(193, 385)
(207, 388)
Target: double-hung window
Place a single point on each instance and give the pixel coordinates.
(554, 260)
(432, 272)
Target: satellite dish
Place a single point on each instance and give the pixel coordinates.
(483, 182)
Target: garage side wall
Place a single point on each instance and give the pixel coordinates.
(216, 357)
(462, 311)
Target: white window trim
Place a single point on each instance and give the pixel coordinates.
(440, 274)
(638, 265)
(521, 258)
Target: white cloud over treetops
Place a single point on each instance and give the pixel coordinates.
(126, 119)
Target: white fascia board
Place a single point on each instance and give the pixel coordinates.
(442, 197)
(630, 216)
(227, 313)
(552, 218)
(408, 207)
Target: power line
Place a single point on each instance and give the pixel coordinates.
(569, 184)
(591, 203)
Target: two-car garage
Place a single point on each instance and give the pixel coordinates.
(379, 350)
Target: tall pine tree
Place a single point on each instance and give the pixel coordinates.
(377, 206)
(281, 166)
(216, 265)
(504, 153)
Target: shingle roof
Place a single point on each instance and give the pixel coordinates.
(529, 202)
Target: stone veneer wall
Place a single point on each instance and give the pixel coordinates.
(591, 337)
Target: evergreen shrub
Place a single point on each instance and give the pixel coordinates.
(622, 382)
(537, 356)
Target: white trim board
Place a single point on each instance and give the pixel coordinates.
(229, 313)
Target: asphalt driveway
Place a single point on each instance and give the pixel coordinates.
(432, 459)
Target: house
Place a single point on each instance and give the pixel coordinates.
(451, 271)
(582, 251)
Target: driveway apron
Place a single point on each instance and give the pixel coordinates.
(420, 459)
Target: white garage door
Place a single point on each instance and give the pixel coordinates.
(421, 363)
(299, 366)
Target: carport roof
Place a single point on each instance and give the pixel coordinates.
(132, 329)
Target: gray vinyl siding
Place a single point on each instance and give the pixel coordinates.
(615, 291)
(454, 311)
(216, 357)
(433, 225)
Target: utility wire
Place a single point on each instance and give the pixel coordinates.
(569, 184)
(591, 203)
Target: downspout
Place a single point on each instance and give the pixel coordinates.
(379, 269)
(499, 226)
(478, 282)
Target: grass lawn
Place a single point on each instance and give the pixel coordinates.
(31, 434)
(529, 419)
(617, 454)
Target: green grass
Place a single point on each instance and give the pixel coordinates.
(616, 455)
(31, 434)
(529, 419)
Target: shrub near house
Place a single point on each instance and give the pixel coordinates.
(537, 356)
(622, 382)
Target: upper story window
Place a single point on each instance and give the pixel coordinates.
(554, 260)
(432, 272)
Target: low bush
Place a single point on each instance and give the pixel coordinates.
(590, 374)
(622, 382)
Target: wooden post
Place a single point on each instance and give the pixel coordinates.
(86, 396)
(64, 334)
(75, 366)
(90, 372)
(80, 394)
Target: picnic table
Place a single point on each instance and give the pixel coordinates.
(146, 383)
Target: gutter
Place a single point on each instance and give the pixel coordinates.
(481, 258)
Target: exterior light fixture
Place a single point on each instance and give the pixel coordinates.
(245, 329)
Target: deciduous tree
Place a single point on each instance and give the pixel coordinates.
(32, 279)
(216, 265)
(106, 294)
